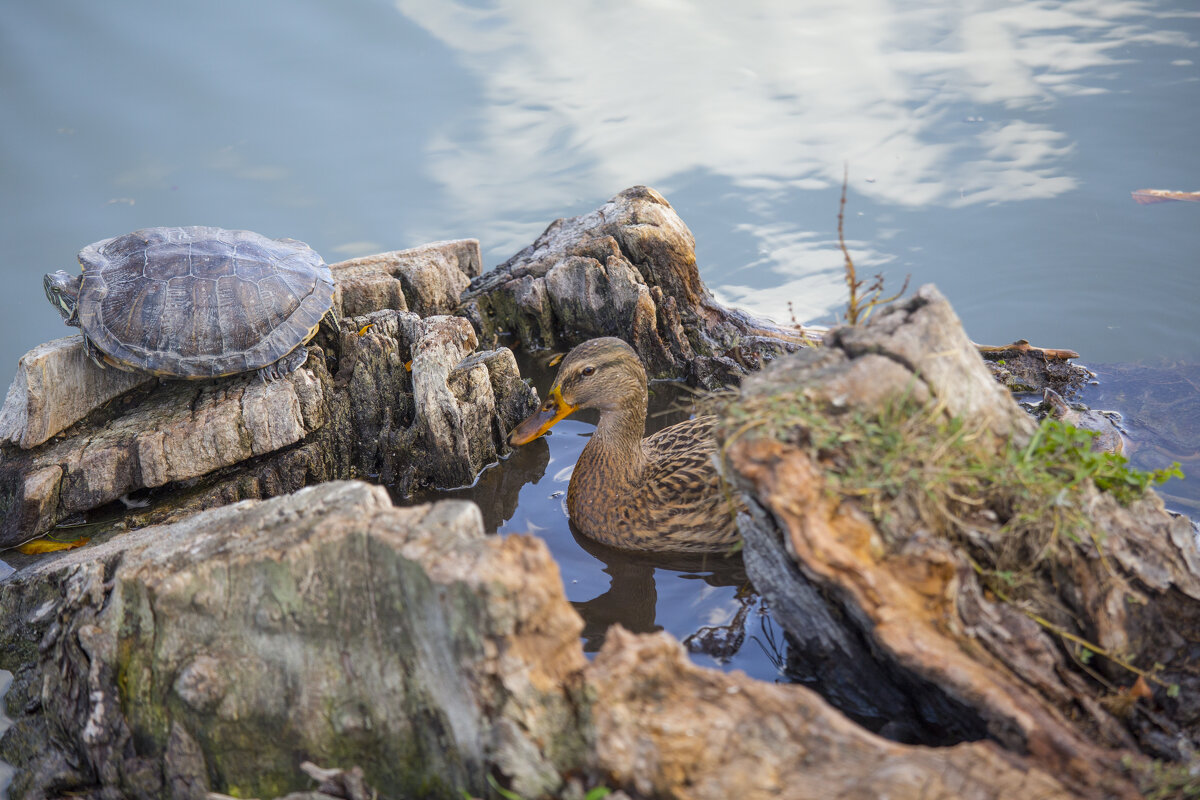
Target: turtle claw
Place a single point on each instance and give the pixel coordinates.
(94, 353)
(284, 366)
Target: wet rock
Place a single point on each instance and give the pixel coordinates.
(627, 269)
(1108, 436)
(1022, 368)
(1124, 579)
(327, 622)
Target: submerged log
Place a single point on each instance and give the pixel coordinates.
(205, 655)
(627, 269)
(412, 402)
(916, 561)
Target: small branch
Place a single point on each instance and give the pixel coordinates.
(852, 281)
(1079, 640)
(859, 307)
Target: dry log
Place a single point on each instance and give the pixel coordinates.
(196, 659)
(923, 593)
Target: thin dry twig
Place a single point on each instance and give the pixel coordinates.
(859, 306)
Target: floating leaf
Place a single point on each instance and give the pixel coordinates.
(1147, 196)
(48, 545)
(1140, 688)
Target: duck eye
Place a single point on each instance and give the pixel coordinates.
(548, 406)
(586, 371)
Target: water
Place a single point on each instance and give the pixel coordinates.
(992, 146)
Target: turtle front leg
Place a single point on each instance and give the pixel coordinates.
(94, 353)
(331, 322)
(284, 366)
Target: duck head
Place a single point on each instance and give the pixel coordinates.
(604, 374)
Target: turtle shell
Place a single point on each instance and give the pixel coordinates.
(200, 302)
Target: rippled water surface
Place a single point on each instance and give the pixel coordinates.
(992, 146)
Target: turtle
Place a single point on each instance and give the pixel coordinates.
(196, 302)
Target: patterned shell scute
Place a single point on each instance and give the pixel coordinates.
(199, 301)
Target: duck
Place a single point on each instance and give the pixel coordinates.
(657, 493)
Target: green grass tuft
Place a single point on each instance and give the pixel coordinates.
(1014, 508)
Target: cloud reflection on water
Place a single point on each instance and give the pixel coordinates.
(811, 277)
(938, 106)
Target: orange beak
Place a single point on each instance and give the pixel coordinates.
(542, 420)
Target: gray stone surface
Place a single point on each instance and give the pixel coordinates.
(196, 660)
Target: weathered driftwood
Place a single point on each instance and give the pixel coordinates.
(627, 269)
(918, 601)
(57, 385)
(208, 653)
(411, 402)
(426, 280)
(204, 655)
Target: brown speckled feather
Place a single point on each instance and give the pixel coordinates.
(682, 493)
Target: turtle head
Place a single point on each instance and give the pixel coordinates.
(62, 290)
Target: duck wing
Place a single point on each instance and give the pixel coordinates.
(681, 492)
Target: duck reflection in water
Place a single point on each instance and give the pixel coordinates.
(632, 598)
